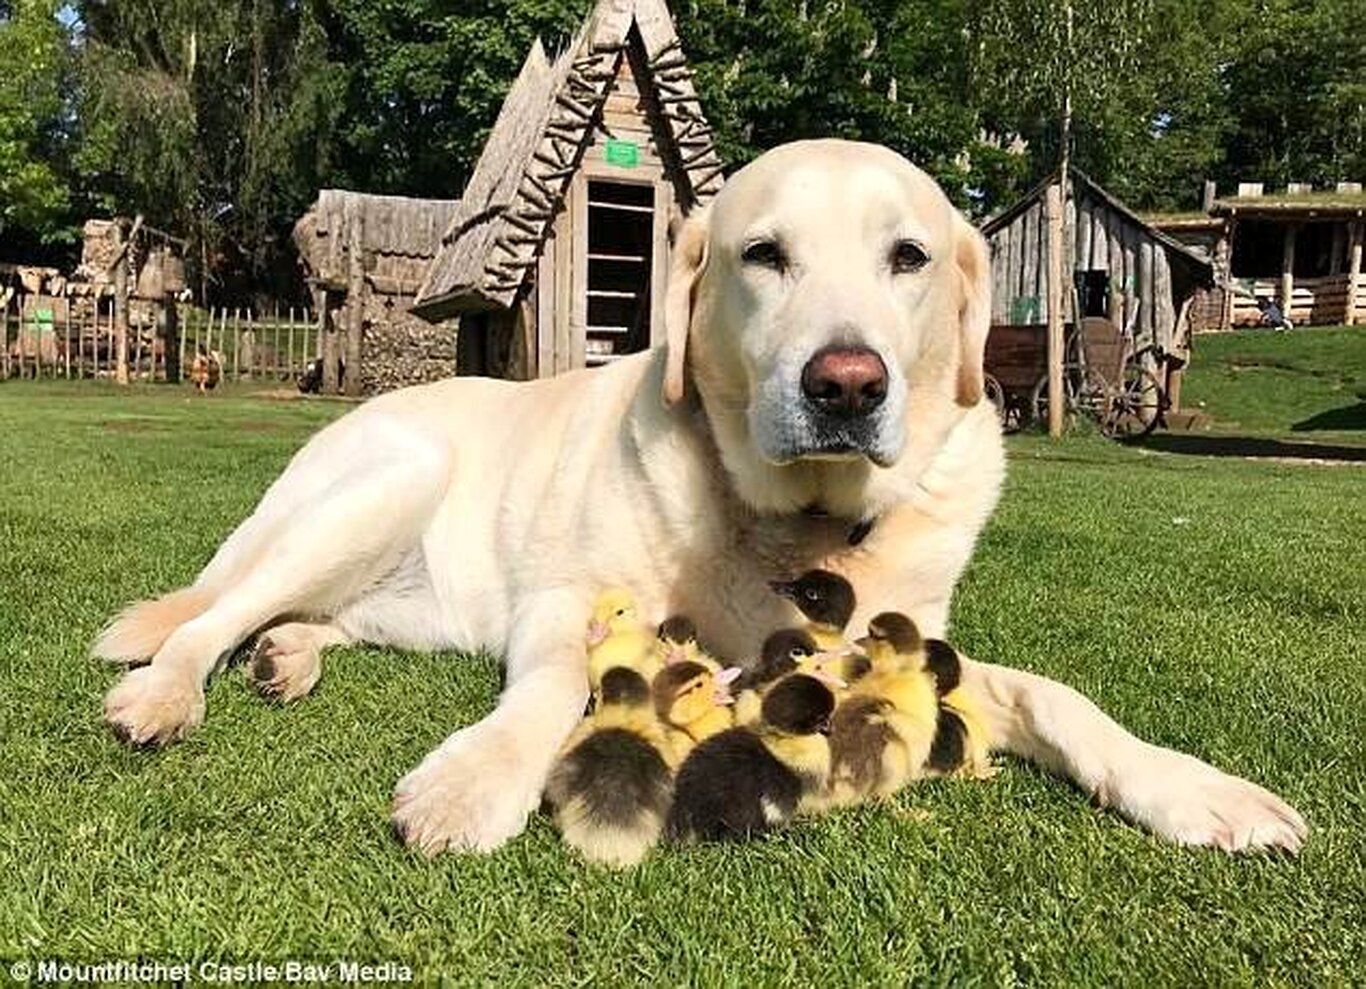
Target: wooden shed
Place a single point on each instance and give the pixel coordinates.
(364, 257)
(1123, 267)
(557, 254)
(1300, 247)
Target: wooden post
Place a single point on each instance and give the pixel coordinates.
(95, 343)
(1288, 269)
(1053, 206)
(175, 341)
(120, 306)
(137, 354)
(1353, 272)
(237, 341)
(5, 295)
(327, 347)
(289, 362)
(355, 298)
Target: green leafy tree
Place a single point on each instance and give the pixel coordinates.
(34, 79)
(1296, 84)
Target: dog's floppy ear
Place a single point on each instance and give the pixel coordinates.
(689, 261)
(972, 257)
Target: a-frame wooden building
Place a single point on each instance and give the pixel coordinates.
(558, 252)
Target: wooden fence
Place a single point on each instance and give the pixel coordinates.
(60, 341)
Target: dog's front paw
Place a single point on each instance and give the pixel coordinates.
(152, 706)
(1190, 802)
(469, 795)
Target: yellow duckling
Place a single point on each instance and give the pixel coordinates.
(616, 637)
(961, 741)
(749, 780)
(611, 789)
(882, 734)
(692, 699)
(826, 601)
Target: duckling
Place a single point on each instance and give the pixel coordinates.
(611, 789)
(825, 599)
(782, 652)
(677, 641)
(780, 655)
(692, 699)
(961, 742)
(749, 780)
(792, 650)
(617, 638)
(882, 734)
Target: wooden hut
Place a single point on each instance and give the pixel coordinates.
(557, 255)
(1300, 247)
(1121, 267)
(364, 257)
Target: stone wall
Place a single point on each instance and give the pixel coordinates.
(399, 349)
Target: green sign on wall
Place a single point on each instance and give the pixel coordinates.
(623, 154)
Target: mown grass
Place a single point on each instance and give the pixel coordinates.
(1213, 605)
(1308, 384)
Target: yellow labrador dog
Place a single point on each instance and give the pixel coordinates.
(819, 402)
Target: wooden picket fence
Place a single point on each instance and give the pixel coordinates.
(248, 345)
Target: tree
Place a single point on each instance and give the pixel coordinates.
(211, 119)
(770, 71)
(1296, 83)
(34, 78)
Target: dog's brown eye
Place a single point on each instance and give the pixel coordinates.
(908, 256)
(765, 253)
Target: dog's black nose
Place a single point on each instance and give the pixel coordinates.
(847, 381)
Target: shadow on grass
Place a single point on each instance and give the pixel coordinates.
(1347, 417)
(1251, 446)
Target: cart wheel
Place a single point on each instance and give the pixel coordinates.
(1072, 376)
(1135, 408)
(995, 394)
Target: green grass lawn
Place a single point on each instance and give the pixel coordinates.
(1307, 385)
(1215, 605)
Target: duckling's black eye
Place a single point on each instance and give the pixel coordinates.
(621, 612)
(908, 256)
(765, 254)
(797, 653)
(810, 594)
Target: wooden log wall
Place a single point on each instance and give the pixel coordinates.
(1100, 238)
(1318, 301)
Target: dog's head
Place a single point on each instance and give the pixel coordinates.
(831, 308)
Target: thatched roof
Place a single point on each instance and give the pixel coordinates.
(405, 232)
(1178, 253)
(537, 143)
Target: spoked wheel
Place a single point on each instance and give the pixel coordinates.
(1134, 409)
(996, 395)
(1076, 398)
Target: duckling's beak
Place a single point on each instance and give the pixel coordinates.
(721, 684)
(597, 633)
(866, 643)
(824, 727)
(783, 588)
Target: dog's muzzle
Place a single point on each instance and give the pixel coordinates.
(843, 404)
